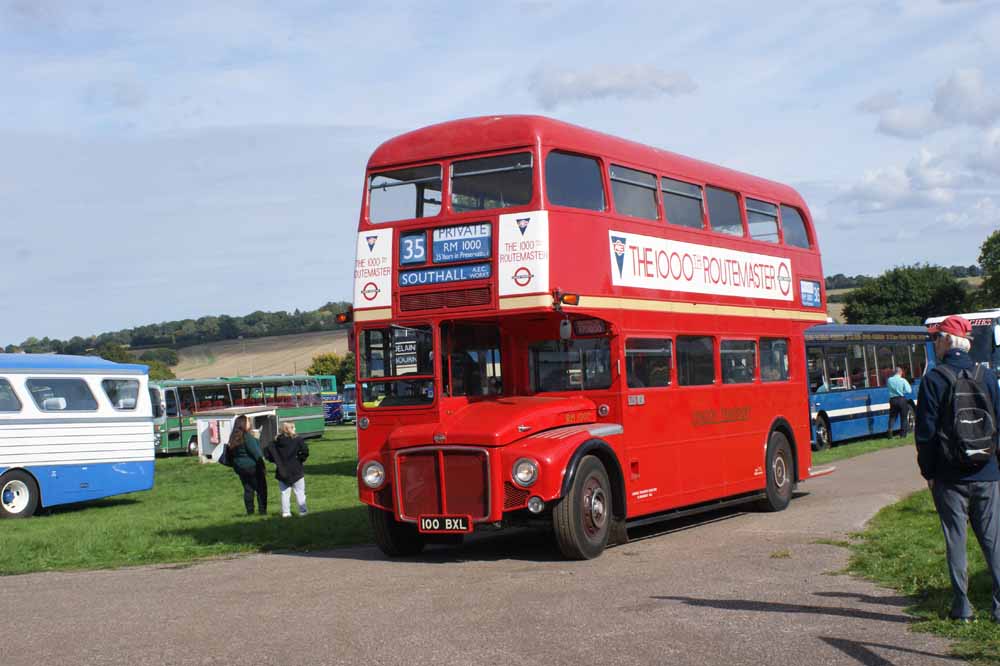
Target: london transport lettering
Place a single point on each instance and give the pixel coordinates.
(657, 263)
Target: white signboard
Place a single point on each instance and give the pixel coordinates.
(373, 270)
(657, 263)
(523, 257)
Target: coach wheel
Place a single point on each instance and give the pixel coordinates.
(822, 434)
(582, 519)
(780, 473)
(394, 538)
(192, 449)
(18, 495)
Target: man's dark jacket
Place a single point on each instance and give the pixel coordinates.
(930, 404)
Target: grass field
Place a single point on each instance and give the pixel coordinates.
(285, 354)
(903, 549)
(859, 447)
(194, 511)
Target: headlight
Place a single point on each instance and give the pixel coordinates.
(525, 472)
(373, 474)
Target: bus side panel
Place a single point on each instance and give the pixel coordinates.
(64, 484)
(309, 421)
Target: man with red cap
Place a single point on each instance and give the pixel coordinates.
(962, 493)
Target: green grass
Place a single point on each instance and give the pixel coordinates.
(903, 549)
(857, 448)
(194, 511)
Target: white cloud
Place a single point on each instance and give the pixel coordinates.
(879, 102)
(987, 158)
(966, 98)
(925, 182)
(908, 122)
(984, 213)
(552, 86)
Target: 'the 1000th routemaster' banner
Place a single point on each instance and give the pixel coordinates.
(373, 270)
(523, 254)
(657, 263)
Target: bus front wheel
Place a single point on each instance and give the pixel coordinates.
(582, 519)
(192, 449)
(823, 440)
(18, 495)
(780, 473)
(394, 538)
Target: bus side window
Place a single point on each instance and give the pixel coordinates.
(919, 355)
(171, 401)
(739, 361)
(872, 366)
(793, 227)
(773, 359)
(856, 362)
(647, 362)
(695, 360)
(817, 374)
(724, 212)
(574, 180)
(885, 365)
(8, 399)
(901, 353)
(836, 368)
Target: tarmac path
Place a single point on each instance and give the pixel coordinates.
(730, 588)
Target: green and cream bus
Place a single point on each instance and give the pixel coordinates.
(295, 397)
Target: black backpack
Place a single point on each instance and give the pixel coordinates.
(968, 427)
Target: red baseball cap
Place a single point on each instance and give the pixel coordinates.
(954, 324)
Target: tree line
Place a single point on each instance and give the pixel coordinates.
(186, 332)
(841, 281)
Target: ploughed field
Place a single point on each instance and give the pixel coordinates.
(194, 511)
(283, 354)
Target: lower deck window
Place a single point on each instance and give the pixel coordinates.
(647, 362)
(773, 359)
(695, 360)
(572, 365)
(739, 361)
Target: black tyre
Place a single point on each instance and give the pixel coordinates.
(192, 449)
(823, 439)
(394, 538)
(581, 520)
(911, 419)
(780, 473)
(19, 496)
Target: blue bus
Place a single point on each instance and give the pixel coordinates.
(349, 406)
(848, 366)
(72, 428)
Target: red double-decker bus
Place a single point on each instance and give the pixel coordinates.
(557, 324)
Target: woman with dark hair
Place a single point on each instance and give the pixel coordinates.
(244, 451)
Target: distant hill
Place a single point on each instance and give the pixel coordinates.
(283, 354)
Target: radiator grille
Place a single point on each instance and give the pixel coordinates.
(514, 497)
(460, 298)
(443, 481)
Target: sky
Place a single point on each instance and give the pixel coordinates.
(170, 160)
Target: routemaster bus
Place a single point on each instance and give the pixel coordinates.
(556, 324)
(848, 367)
(296, 397)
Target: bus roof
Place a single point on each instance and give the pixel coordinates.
(232, 380)
(63, 363)
(992, 313)
(490, 133)
(865, 332)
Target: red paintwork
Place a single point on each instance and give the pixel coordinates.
(682, 446)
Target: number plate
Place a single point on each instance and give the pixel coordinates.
(444, 524)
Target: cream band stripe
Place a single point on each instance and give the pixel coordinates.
(371, 315)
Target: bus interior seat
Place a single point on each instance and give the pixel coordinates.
(54, 404)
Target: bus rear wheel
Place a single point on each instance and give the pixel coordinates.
(823, 439)
(582, 519)
(911, 419)
(394, 538)
(780, 473)
(192, 449)
(18, 495)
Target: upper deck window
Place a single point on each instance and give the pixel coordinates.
(57, 395)
(682, 203)
(404, 194)
(634, 192)
(762, 218)
(491, 182)
(724, 212)
(794, 227)
(574, 180)
(8, 399)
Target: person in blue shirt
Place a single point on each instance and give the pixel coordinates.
(899, 388)
(959, 495)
